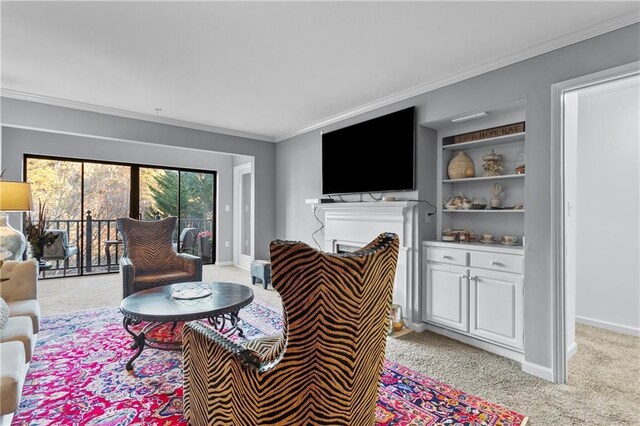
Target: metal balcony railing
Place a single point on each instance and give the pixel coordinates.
(98, 251)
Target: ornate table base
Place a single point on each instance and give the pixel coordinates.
(141, 340)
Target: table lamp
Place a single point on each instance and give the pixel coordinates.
(14, 197)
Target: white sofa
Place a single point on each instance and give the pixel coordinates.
(18, 331)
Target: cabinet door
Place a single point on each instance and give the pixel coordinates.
(447, 296)
(496, 307)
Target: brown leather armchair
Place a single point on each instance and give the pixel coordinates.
(324, 368)
(149, 259)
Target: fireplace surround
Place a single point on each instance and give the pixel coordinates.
(349, 226)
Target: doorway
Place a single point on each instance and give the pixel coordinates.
(596, 182)
(243, 216)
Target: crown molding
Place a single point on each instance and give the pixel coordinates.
(487, 66)
(66, 103)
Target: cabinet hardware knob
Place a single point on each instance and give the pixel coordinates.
(464, 277)
(494, 263)
(444, 256)
(475, 278)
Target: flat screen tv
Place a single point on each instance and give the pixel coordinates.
(372, 156)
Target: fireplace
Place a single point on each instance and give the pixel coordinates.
(350, 226)
(342, 248)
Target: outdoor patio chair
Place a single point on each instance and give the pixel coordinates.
(149, 259)
(325, 366)
(188, 240)
(60, 249)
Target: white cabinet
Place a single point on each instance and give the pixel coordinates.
(447, 295)
(475, 290)
(495, 309)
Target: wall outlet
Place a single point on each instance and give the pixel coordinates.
(428, 219)
(227, 208)
(226, 243)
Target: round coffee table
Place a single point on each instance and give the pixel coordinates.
(218, 302)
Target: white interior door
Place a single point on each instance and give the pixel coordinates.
(243, 215)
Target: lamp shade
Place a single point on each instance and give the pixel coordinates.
(15, 197)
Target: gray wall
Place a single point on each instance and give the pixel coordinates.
(141, 142)
(298, 158)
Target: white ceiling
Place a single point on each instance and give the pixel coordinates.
(274, 69)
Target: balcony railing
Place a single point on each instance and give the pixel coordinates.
(98, 251)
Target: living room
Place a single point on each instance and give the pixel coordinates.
(108, 83)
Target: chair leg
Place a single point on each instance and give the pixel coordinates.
(253, 280)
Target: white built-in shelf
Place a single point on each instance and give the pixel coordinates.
(498, 140)
(483, 178)
(482, 211)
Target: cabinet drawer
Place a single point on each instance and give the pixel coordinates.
(443, 255)
(498, 261)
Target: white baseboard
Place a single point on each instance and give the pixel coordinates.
(224, 263)
(538, 370)
(471, 341)
(418, 327)
(571, 351)
(619, 328)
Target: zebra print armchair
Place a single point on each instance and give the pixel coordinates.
(326, 365)
(149, 259)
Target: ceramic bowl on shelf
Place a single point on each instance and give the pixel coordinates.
(479, 203)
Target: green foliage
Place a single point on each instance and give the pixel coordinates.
(196, 195)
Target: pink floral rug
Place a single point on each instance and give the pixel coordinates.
(78, 377)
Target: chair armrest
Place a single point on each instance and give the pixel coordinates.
(128, 272)
(203, 335)
(191, 264)
(22, 283)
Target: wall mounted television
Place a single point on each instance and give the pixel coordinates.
(377, 155)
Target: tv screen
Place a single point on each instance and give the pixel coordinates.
(372, 156)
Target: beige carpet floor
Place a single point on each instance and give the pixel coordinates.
(604, 375)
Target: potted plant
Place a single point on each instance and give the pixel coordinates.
(36, 234)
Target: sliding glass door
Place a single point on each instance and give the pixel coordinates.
(56, 185)
(85, 198)
(196, 214)
(188, 195)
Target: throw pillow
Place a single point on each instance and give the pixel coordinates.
(4, 313)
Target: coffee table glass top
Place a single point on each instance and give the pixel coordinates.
(158, 304)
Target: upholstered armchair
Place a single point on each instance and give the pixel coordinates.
(149, 259)
(326, 365)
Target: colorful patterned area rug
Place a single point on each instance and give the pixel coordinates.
(78, 377)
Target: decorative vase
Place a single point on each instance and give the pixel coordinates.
(492, 164)
(37, 249)
(396, 317)
(496, 202)
(460, 166)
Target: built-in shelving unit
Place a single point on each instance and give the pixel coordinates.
(495, 222)
(474, 292)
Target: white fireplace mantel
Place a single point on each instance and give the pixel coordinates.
(357, 224)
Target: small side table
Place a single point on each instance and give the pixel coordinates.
(43, 265)
(261, 269)
(107, 251)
